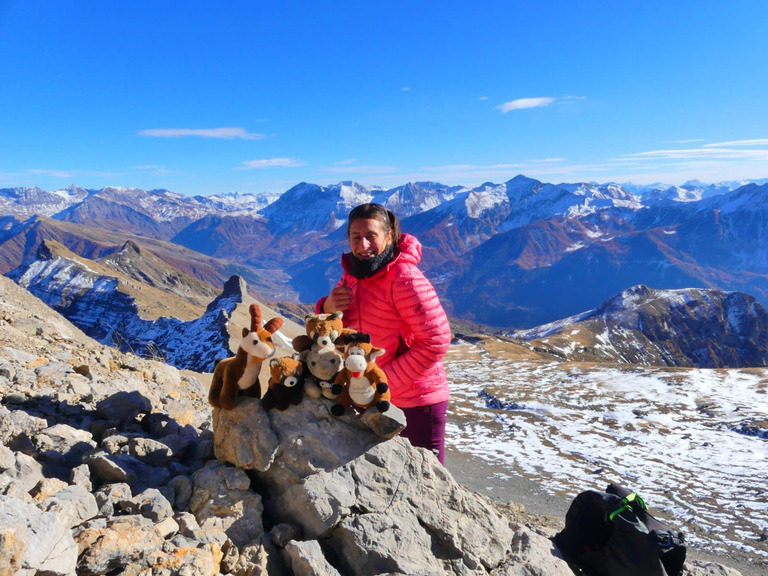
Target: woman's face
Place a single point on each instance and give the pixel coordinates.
(367, 238)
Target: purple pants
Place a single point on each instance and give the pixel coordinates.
(426, 427)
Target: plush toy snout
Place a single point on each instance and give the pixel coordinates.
(289, 381)
(257, 347)
(325, 341)
(356, 361)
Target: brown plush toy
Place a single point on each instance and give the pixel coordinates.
(361, 383)
(240, 373)
(286, 383)
(323, 330)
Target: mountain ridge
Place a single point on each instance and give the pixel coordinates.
(588, 240)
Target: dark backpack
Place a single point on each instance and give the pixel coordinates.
(612, 533)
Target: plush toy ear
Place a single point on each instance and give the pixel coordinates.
(338, 315)
(376, 352)
(310, 316)
(273, 325)
(246, 332)
(301, 342)
(274, 362)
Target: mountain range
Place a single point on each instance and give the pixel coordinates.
(510, 256)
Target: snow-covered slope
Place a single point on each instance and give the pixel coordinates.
(692, 442)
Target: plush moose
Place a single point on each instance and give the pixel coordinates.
(286, 384)
(361, 383)
(239, 374)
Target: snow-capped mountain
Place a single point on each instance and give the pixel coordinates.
(512, 255)
(311, 209)
(686, 327)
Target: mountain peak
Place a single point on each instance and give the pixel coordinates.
(234, 292)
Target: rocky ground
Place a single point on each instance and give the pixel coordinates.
(107, 466)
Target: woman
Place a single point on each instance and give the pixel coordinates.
(383, 293)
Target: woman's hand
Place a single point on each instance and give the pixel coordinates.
(339, 299)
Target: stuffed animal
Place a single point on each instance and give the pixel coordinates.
(322, 330)
(319, 352)
(286, 384)
(322, 365)
(361, 383)
(240, 373)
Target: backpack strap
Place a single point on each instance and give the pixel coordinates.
(631, 502)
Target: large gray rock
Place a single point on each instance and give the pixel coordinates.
(289, 445)
(33, 541)
(381, 505)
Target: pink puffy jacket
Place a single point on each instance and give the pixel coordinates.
(399, 308)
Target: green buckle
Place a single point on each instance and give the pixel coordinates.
(631, 502)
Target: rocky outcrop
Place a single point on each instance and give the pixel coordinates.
(373, 506)
(107, 467)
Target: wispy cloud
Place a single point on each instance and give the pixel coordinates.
(55, 173)
(757, 142)
(405, 89)
(525, 103)
(698, 153)
(273, 163)
(345, 162)
(153, 168)
(231, 133)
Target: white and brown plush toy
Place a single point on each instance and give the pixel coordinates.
(361, 383)
(239, 374)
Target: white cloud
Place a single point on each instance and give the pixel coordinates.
(55, 173)
(231, 133)
(345, 162)
(273, 163)
(153, 168)
(483, 98)
(758, 142)
(693, 153)
(523, 103)
(405, 89)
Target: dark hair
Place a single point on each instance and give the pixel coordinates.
(377, 212)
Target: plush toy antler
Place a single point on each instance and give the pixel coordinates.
(272, 326)
(255, 313)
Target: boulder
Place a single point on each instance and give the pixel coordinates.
(34, 542)
(381, 505)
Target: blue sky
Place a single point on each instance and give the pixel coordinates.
(212, 97)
